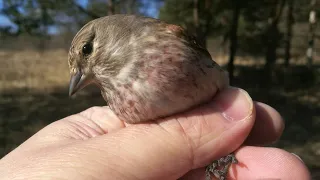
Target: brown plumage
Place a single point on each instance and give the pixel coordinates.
(146, 68)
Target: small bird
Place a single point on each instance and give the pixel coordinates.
(146, 69)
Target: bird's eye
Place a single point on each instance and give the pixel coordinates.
(87, 49)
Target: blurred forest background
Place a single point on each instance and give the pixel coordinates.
(271, 48)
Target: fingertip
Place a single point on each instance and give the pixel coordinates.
(210, 133)
(268, 126)
(261, 163)
(235, 104)
(268, 163)
(278, 121)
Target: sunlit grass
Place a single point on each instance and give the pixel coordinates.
(33, 70)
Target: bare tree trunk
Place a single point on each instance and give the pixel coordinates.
(196, 20)
(272, 45)
(130, 6)
(233, 39)
(196, 13)
(111, 9)
(202, 30)
(311, 36)
(288, 39)
(84, 10)
(272, 38)
(208, 18)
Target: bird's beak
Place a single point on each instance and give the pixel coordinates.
(78, 81)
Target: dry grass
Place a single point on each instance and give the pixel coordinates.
(32, 70)
(33, 93)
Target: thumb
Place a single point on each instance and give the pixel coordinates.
(169, 148)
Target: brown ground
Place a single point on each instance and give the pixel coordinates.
(34, 93)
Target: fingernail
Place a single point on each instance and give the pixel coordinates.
(297, 157)
(235, 104)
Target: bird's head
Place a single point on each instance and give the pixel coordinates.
(82, 56)
(97, 53)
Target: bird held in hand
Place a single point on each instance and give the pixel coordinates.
(146, 68)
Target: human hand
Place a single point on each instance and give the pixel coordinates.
(95, 144)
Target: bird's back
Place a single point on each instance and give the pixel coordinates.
(166, 71)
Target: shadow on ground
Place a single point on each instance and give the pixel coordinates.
(23, 112)
(294, 92)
